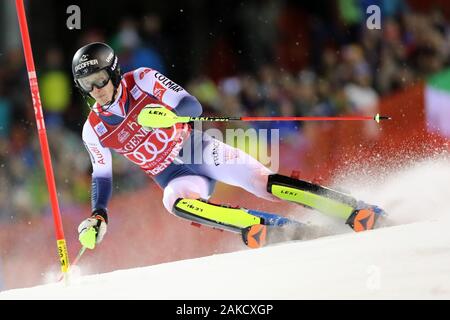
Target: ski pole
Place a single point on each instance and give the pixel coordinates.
(377, 118)
(77, 258)
(156, 116)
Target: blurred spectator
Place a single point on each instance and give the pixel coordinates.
(259, 31)
(88, 36)
(389, 8)
(152, 37)
(250, 95)
(305, 96)
(133, 53)
(350, 12)
(5, 112)
(326, 106)
(205, 90)
(14, 78)
(55, 86)
(363, 98)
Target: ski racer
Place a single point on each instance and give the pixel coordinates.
(114, 123)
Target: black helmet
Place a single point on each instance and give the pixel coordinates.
(92, 58)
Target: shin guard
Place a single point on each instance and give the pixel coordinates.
(312, 196)
(358, 215)
(216, 216)
(257, 228)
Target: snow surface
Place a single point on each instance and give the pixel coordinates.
(410, 260)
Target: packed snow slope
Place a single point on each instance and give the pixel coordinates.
(409, 260)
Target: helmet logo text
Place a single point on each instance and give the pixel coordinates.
(86, 64)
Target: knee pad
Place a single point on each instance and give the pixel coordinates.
(183, 187)
(311, 195)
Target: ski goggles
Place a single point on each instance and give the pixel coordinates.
(98, 79)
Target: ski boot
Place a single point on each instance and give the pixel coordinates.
(275, 229)
(366, 217)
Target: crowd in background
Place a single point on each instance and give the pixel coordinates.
(347, 69)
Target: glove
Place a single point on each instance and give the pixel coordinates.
(92, 230)
(157, 116)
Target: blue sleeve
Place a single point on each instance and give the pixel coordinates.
(101, 192)
(188, 107)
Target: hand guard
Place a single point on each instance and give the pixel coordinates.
(93, 229)
(156, 116)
